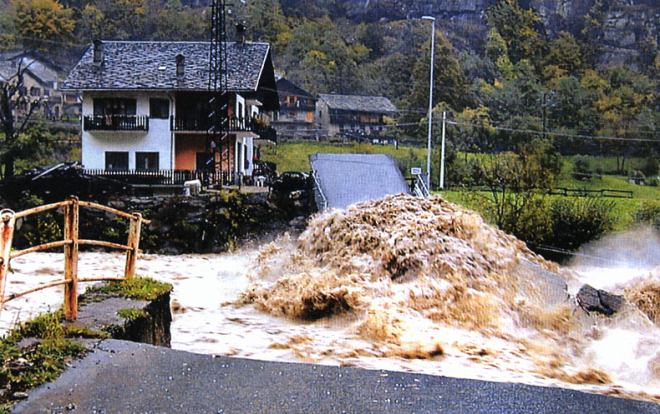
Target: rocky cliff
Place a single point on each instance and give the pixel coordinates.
(626, 27)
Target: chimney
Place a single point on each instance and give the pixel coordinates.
(98, 53)
(180, 65)
(240, 32)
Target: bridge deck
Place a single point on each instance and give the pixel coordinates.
(344, 179)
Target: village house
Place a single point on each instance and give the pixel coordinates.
(146, 108)
(295, 118)
(41, 80)
(353, 117)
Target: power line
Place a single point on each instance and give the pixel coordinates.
(560, 134)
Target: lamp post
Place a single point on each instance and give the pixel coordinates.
(428, 155)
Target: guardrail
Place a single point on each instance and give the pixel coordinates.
(317, 185)
(71, 245)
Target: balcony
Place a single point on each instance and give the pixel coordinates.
(116, 123)
(201, 123)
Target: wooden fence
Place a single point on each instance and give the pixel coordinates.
(560, 191)
(70, 244)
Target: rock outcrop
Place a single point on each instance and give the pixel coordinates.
(625, 25)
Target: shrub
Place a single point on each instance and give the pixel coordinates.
(581, 168)
(651, 166)
(648, 213)
(576, 221)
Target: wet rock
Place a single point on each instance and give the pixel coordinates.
(19, 395)
(595, 300)
(298, 223)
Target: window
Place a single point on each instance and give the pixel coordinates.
(146, 161)
(34, 91)
(159, 108)
(114, 106)
(115, 161)
(240, 110)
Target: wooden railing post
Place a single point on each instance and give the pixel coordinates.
(7, 220)
(134, 245)
(71, 218)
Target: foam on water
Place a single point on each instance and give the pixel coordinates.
(394, 285)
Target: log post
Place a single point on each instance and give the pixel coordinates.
(134, 244)
(71, 218)
(7, 221)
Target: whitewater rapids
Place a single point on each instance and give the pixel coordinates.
(339, 295)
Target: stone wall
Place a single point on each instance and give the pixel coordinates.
(208, 223)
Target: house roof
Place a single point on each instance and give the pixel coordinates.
(152, 65)
(286, 87)
(39, 67)
(6, 70)
(357, 103)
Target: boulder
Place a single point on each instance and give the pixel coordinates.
(595, 300)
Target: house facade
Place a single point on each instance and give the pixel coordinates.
(295, 118)
(353, 117)
(41, 80)
(146, 107)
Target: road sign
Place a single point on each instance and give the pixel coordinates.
(416, 171)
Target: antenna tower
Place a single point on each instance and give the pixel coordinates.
(217, 112)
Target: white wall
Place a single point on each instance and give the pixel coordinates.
(243, 150)
(157, 139)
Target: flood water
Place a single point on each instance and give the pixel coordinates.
(228, 304)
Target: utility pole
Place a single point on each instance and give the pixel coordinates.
(428, 155)
(442, 152)
(543, 106)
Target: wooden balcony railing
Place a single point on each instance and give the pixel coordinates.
(201, 123)
(116, 123)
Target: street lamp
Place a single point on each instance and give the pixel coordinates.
(428, 155)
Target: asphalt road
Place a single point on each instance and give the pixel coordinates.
(126, 377)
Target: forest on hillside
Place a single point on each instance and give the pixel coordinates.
(506, 75)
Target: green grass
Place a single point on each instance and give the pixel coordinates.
(141, 288)
(131, 314)
(607, 164)
(294, 156)
(25, 367)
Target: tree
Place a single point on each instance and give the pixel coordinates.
(473, 130)
(565, 53)
(518, 28)
(498, 53)
(322, 60)
(16, 110)
(515, 183)
(450, 86)
(40, 22)
(268, 23)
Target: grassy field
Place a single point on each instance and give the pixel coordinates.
(294, 156)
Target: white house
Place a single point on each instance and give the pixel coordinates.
(146, 104)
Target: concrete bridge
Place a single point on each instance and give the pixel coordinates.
(345, 179)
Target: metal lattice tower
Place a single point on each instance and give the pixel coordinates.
(218, 116)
